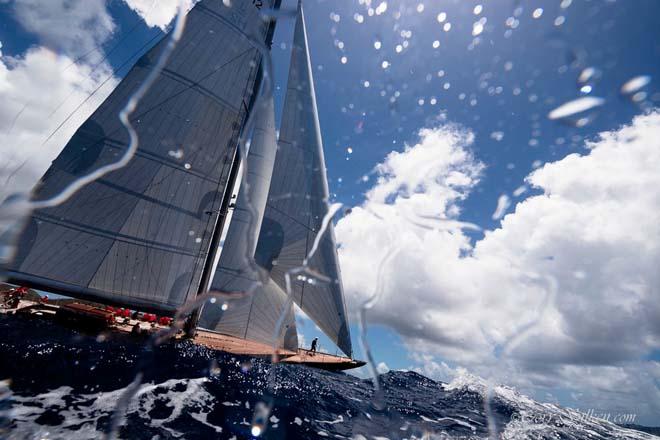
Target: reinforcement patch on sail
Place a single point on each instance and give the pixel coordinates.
(140, 236)
(297, 204)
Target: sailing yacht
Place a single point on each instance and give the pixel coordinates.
(158, 232)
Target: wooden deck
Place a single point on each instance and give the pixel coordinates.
(235, 345)
(323, 360)
(212, 340)
(231, 344)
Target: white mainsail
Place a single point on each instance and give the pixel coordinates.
(141, 236)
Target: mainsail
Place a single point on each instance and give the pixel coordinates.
(141, 236)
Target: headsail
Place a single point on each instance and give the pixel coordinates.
(254, 317)
(297, 203)
(140, 236)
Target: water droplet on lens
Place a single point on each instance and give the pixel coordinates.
(634, 84)
(497, 135)
(638, 97)
(214, 368)
(477, 28)
(177, 154)
(576, 106)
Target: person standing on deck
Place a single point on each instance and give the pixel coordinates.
(313, 348)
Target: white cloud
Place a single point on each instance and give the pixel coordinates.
(38, 90)
(568, 282)
(158, 12)
(427, 365)
(74, 27)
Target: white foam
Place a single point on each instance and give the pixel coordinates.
(81, 412)
(339, 419)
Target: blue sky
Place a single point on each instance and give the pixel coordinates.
(542, 59)
(499, 85)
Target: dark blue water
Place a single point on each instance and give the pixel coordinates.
(63, 384)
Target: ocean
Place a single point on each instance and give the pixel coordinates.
(59, 384)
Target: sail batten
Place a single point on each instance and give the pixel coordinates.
(141, 235)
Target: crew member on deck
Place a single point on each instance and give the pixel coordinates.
(314, 342)
(136, 330)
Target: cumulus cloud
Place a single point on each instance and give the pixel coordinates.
(74, 27)
(567, 283)
(50, 85)
(158, 13)
(38, 91)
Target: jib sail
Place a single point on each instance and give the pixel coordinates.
(298, 203)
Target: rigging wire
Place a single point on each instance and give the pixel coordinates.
(97, 65)
(100, 48)
(96, 89)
